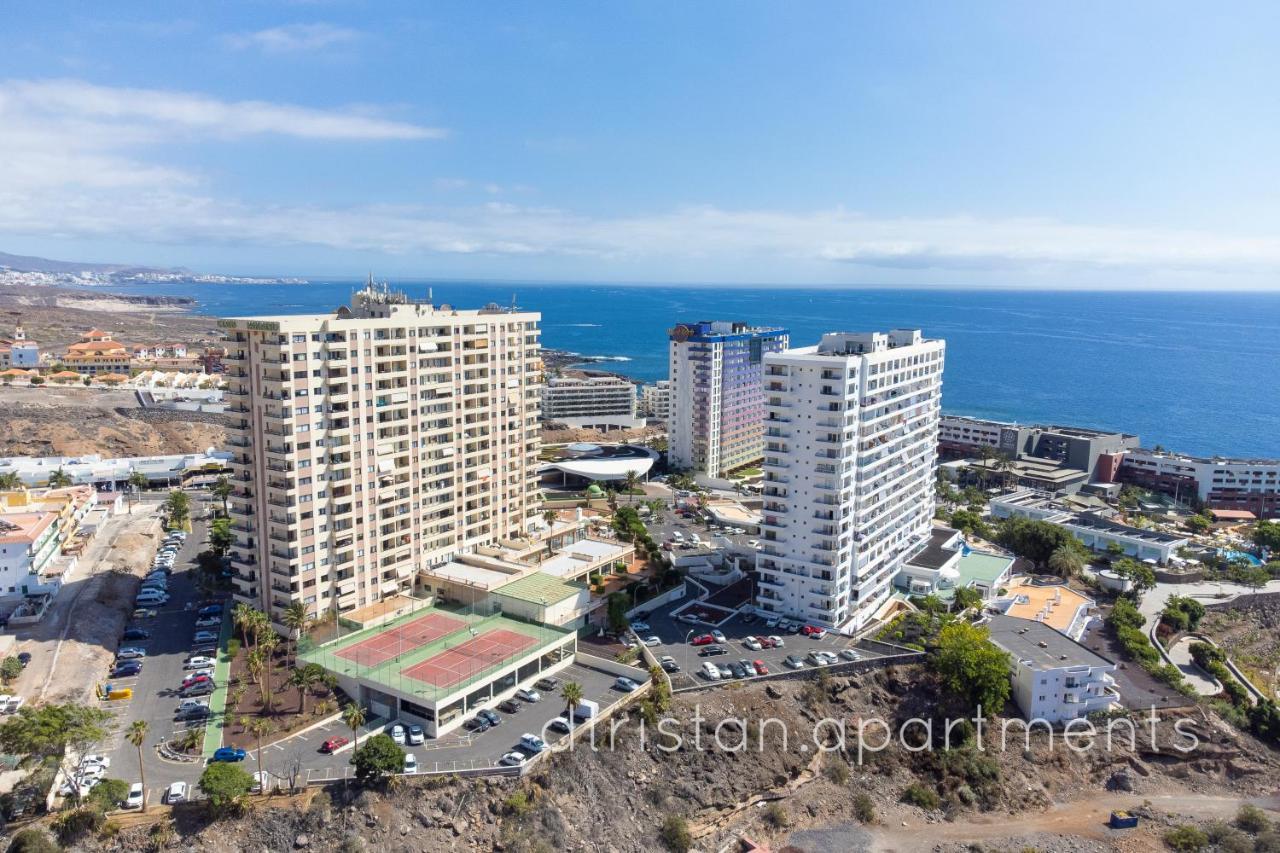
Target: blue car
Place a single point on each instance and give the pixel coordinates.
(228, 753)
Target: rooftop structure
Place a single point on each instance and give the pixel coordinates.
(946, 564)
(1092, 528)
(602, 463)
(1049, 601)
(113, 474)
(1055, 679)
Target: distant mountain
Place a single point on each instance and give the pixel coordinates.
(28, 270)
(27, 263)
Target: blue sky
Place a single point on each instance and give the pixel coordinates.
(1003, 144)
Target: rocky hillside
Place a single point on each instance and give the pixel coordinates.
(636, 796)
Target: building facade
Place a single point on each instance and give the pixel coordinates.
(98, 353)
(591, 401)
(655, 400)
(1252, 485)
(850, 459)
(375, 442)
(1055, 679)
(717, 404)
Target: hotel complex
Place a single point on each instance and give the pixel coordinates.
(592, 402)
(851, 450)
(376, 442)
(717, 407)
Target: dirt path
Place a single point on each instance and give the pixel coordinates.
(1085, 818)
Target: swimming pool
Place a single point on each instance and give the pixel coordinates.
(1240, 555)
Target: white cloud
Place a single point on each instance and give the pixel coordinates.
(81, 161)
(293, 38)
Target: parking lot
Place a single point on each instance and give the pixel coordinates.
(676, 635)
(155, 689)
(455, 751)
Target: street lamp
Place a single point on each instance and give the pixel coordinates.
(686, 650)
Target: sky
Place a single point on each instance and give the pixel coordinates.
(1080, 145)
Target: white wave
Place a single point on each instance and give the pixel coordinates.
(583, 325)
(607, 357)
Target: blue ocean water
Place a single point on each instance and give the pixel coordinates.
(1195, 372)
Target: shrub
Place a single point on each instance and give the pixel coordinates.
(72, 826)
(233, 648)
(1267, 842)
(32, 841)
(1186, 839)
(519, 804)
(919, 795)
(1252, 819)
(837, 771)
(675, 833)
(775, 815)
(864, 809)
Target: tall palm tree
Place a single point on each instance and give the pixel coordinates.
(572, 693)
(9, 481)
(631, 482)
(136, 734)
(353, 716)
(304, 678)
(295, 619)
(254, 663)
(1065, 561)
(59, 479)
(244, 617)
(267, 645)
(221, 489)
(259, 727)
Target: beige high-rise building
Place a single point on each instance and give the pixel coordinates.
(376, 441)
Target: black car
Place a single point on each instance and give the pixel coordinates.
(204, 649)
(713, 651)
(737, 670)
(559, 724)
(510, 706)
(492, 717)
(135, 634)
(24, 658)
(748, 618)
(125, 670)
(477, 724)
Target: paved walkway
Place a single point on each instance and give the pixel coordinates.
(1180, 654)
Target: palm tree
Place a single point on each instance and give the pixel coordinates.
(549, 516)
(221, 489)
(59, 479)
(136, 734)
(631, 482)
(267, 645)
(295, 619)
(137, 482)
(353, 716)
(9, 481)
(244, 617)
(260, 726)
(1065, 561)
(304, 678)
(572, 693)
(254, 663)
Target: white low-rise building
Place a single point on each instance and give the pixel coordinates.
(1055, 679)
(1094, 530)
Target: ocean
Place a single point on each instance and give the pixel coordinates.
(1194, 372)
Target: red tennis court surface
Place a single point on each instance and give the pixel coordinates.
(403, 638)
(461, 662)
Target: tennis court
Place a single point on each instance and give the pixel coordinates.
(382, 647)
(466, 660)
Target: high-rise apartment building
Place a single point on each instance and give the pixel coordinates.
(590, 401)
(850, 457)
(655, 400)
(716, 400)
(375, 442)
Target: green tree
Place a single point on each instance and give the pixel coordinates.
(222, 489)
(572, 694)
(224, 785)
(59, 479)
(10, 668)
(9, 481)
(970, 667)
(1065, 561)
(966, 597)
(377, 757)
(617, 613)
(260, 727)
(1142, 575)
(353, 716)
(136, 735)
(630, 483)
(675, 834)
(1186, 839)
(295, 619)
(49, 729)
(968, 521)
(108, 795)
(1266, 534)
(178, 508)
(304, 678)
(1199, 524)
(1034, 539)
(32, 840)
(220, 536)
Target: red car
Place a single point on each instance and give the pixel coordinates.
(814, 631)
(333, 744)
(766, 642)
(703, 640)
(194, 679)
(761, 669)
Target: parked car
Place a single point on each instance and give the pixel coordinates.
(207, 650)
(725, 671)
(478, 724)
(753, 644)
(547, 683)
(713, 651)
(410, 763)
(205, 637)
(190, 704)
(669, 664)
(816, 658)
(198, 662)
(134, 799)
(492, 716)
(510, 706)
(126, 669)
(177, 793)
(144, 613)
(651, 641)
(559, 724)
(334, 744)
(711, 671)
(702, 640)
(398, 734)
(96, 760)
(417, 735)
(532, 742)
(776, 641)
(200, 688)
(639, 626)
(208, 621)
(794, 662)
(228, 753)
(850, 654)
(718, 636)
(130, 653)
(760, 668)
(135, 634)
(814, 632)
(513, 759)
(197, 675)
(528, 695)
(626, 685)
(738, 670)
(211, 610)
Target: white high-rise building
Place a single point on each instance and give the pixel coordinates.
(851, 437)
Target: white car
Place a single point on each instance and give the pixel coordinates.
(777, 641)
(199, 662)
(177, 793)
(513, 759)
(677, 536)
(718, 636)
(529, 695)
(533, 743)
(204, 637)
(850, 654)
(134, 800)
(711, 672)
(652, 641)
(753, 644)
(95, 760)
(190, 704)
(208, 621)
(410, 763)
(397, 734)
(639, 626)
